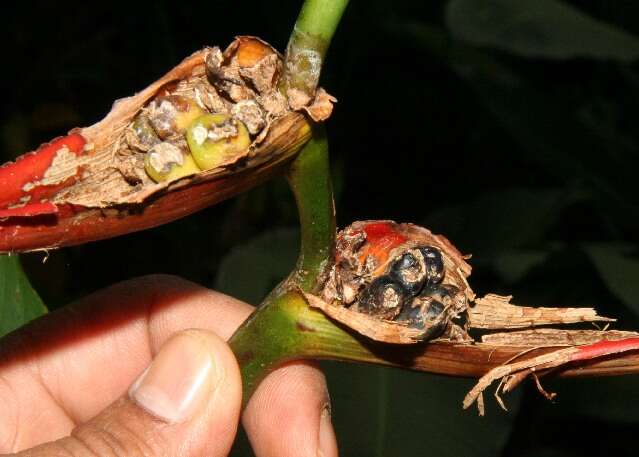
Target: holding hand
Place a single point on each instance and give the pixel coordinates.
(124, 372)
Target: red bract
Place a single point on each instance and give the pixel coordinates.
(42, 224)
(92, 183)
(23, 183)
(66, 225)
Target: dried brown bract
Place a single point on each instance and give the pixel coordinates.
(158, 155)
(399, 283)
(240, 82)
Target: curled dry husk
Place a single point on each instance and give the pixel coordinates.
(517, 342)
(366, 253)
(91, 184)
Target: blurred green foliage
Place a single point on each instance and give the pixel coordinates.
(19, 303)
(510, 126)
(550, 29)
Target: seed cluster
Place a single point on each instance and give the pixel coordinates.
(208, 120)
(411, 290)
(397, 283)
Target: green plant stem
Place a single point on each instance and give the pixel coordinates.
(320, 18)
(309, 41)
(271, 335)
(310, 181)
(284, 327)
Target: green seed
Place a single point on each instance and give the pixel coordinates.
(215, 139)
(168, 162)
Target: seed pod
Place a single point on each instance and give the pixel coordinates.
(215, 139)
(382, 298)
(402, 260)
(97, 186)
(434, 265)
(172, 114)
(168, 162)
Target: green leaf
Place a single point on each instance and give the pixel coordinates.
(618, 265)
(19, 303)
(250, 271)
(539, 28)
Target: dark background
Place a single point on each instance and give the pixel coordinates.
(510, 126)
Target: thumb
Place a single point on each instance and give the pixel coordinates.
(187, 402)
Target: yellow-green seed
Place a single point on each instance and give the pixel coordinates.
(215, 139)
(168, 162)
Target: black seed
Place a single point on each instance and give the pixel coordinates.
(432, 319)
(424, 315)
(434, 310)
(434, 330)
(412, 313)
(425, 311)
(443, 293)
(408, 271)
(421, 311)
(416, 323)
(434, 265)
(383, 298)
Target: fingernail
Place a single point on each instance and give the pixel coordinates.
(178, 381)
(327, 446)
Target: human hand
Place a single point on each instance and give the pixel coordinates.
(73, 383)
